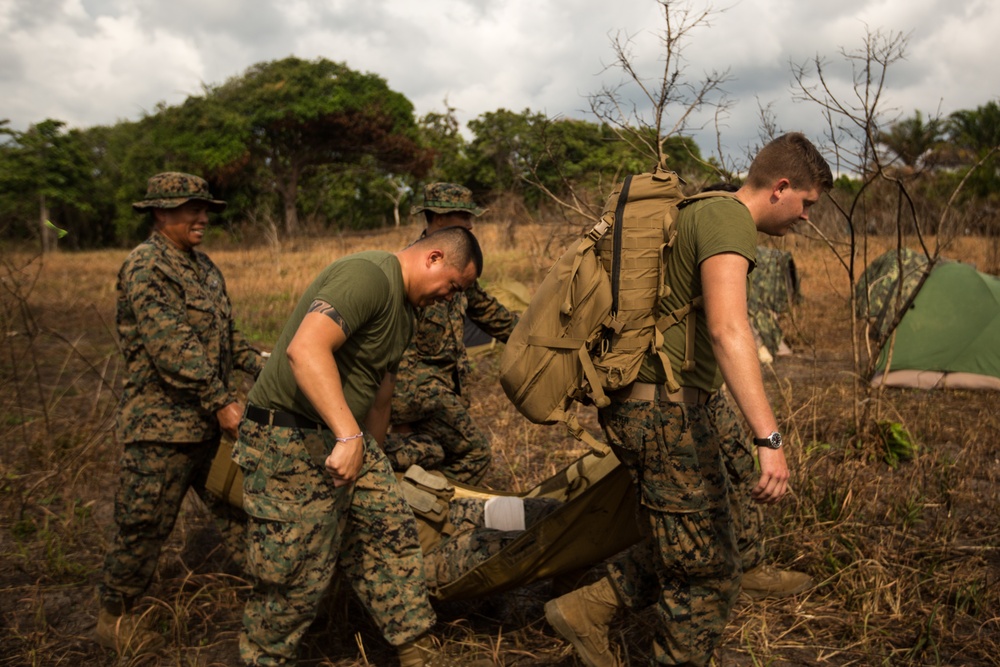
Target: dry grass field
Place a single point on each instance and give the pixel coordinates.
(906, 559)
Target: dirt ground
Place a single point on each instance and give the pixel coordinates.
(906, 559)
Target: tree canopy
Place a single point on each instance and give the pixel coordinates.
(282, 118)
(312, 144)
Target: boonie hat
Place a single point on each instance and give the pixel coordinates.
(448, 198)
(174, 188)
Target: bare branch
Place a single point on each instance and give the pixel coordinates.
(666, 105)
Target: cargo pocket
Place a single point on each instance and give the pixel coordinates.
(626, 426)
(673, 478)
(258, 462)
(287, 485)
(318, 449)
(141, 496)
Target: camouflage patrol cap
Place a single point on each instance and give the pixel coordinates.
(448, 198)
(174, 188)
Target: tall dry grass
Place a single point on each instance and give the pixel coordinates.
(905, 558)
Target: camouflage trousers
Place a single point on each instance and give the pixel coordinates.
(471, 543)
(690, 566)
(300, 524)
(154, 478)
(438, 434)
(741, 467)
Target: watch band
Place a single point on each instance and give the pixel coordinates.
(772, 441)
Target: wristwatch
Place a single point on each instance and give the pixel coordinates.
(772, 441)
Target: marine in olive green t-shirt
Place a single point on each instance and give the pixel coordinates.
(367, 290)
(704, 228)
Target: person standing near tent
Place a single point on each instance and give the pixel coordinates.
(317, 484)
(431, 425)
(180, 344)
(671, 442)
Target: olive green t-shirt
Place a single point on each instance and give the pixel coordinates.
(367, 290)
(704, 228)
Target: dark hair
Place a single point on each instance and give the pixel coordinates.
(790, 156)
(460, 245)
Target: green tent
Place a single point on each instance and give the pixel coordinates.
(949, 335)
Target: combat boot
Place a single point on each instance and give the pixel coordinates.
(423, 653)
(582, 618)
(767, 581)
(126, 634)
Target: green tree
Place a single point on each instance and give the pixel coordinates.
(123, 156)
(974, 138)
(504, 148)
(285, 117)
(354, 196)
(47, 170)
(914, 141)
(977, 130)
(442, 134)
(583, 160)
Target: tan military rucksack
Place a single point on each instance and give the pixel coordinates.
(594, 317)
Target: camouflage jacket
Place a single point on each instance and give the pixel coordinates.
(180, 344)
(437, 349)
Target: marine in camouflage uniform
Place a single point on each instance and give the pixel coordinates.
(691, 558)
(672, 443)
(318, 488)
(772, 290)
(302, 530)
(181, 346)
(879, 294)
(634, 579)
(432, 426)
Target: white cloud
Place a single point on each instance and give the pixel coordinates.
(91, 62)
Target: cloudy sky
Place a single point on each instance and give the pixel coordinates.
(95, 62)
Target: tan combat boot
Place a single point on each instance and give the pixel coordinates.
(767, 581)
(582, 618)
(126, 634)
(423, 653)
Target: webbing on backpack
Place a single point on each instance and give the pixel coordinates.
(596, 315)
(616, 258)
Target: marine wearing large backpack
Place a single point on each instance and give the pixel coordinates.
(595, 317)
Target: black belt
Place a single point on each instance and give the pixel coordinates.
(644, 391)
(280, 418)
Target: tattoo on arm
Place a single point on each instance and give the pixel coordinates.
(324, 308)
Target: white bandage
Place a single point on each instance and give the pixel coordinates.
(504, 513)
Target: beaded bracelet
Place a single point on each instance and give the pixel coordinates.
(350, 437)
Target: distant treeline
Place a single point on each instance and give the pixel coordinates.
(296, 145)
